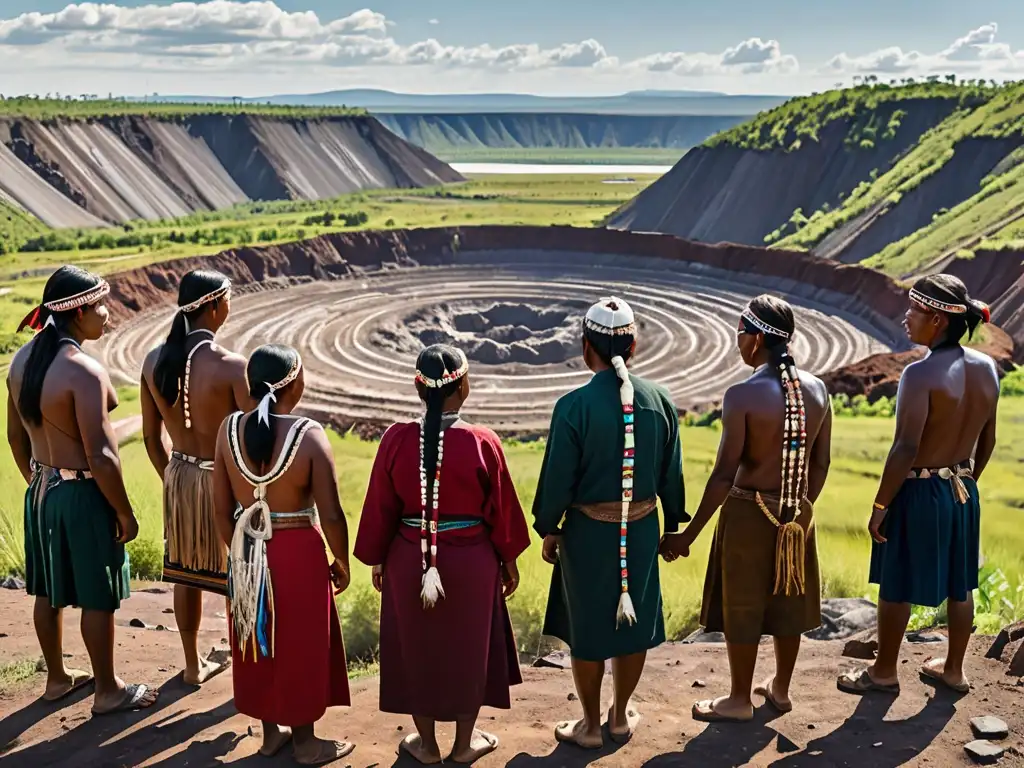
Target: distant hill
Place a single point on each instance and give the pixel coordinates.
(648, 102)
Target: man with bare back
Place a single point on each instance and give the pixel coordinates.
(190, 385)
(762, 576)
(77, 513)
(926, 517)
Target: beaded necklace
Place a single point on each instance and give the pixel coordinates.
(188, 372)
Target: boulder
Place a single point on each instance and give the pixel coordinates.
(989, 727)
(984, 752)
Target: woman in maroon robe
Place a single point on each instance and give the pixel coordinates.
(443, 543)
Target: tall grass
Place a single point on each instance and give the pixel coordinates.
(859, 450)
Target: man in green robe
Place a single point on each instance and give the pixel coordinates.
(613, 450)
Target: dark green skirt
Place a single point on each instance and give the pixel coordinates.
(82, 563)
(586, 584)
(35, 575)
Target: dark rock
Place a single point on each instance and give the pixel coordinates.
(155, 590)
(1006, 636)
(704, 637)
(699, 684)
(161, 628)
(926, 637)
(860, 649)
(989, 727)
(168, 610)
(835, 607)
(983, 751)
(219, 655)
(66, 655)
(811, 726)
(555, 660)
(3, 634)
(571, 697)
(12, 582)
(860, 616)
(401, 728)
(139, 623)
(782, 744)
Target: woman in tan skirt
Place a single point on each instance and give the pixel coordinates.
(762, 574)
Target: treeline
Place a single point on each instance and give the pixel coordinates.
(90, 106)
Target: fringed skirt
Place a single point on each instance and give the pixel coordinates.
(194, 554)
(739, 589)
(307, 672)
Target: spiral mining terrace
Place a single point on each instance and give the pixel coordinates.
(516, 310)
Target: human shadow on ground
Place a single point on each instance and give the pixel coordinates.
(853, 742)
(723, 744)
(17, 723)
(94, 741)
(566, 755)
(210, 753)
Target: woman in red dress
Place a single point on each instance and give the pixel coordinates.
(287, 650)
(442, 528)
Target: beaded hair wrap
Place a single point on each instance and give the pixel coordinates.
(431, 588)
(85, 298)
(926, 302)
(790, 543)
(613, 317)
(224, 291)
(263, 409)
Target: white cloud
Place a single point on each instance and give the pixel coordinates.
(753, 56)
(976, 53)
(434, 22)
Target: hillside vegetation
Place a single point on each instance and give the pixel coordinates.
(36, 108)
(900, 177)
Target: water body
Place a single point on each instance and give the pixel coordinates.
(481, 169)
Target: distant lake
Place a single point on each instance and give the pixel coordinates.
(478, 169)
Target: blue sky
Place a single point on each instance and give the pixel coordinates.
(231, 47)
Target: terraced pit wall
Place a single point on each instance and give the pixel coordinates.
(87, 173)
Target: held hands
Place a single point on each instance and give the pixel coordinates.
(509, 578)
(549, 550)
(378, 577)
(674, 545)
(126, 528)
(875, 524)
(340, 576)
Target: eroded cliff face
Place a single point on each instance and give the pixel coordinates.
(731, 194)
(83, 173)
(997, 278)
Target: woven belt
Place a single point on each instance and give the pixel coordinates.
(954, 474)
(611, 511)
(448, 525)
(281, 521)
(64, 474)
(205, 464)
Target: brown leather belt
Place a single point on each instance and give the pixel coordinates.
(611, 511)
(282, 522)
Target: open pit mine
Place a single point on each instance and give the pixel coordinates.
(360, 306)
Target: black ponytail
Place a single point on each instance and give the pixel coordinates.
(66, 282)
(169, 370)
(949, 289)
(433, 362)
(268, 366)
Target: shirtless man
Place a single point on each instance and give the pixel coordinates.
(926, 517)
(190, 385)
(77, 513)
(767, 502)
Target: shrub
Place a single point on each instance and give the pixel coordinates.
(266, 235)
(1013, 383)
(354, 219)
(389, 223)
(147, 559)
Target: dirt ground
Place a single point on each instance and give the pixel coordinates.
(924, 726)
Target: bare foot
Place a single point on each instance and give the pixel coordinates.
(274, 740)
(936, 670)
(579, 733)
(207, 670)
(128, 699)
(620, 734)
(778, 699)
(320, 752)
(879, 680)
(481, 744)
(428, 754)
(61, 685)
(723, 710)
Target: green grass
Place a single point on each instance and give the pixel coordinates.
(859, 449)
(16, 227)
(555, 155)
(84, 109)
(12, 673)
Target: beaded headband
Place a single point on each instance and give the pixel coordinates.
(611, 316)
(83, 299)
(761, 325)
(263, 410)
(447, 377)
(213, 295)
(929, 303)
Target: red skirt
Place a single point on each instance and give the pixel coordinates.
(307, 673)
(447, 661)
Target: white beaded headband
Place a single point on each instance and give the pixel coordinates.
(927, 301)
(603, 309)
(447, 377)
(263, 410)
(82, 299)
(213, 295)
(622, 330)
(761, 325)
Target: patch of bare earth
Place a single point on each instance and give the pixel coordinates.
(924, 726)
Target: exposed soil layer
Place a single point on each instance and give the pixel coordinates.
(925, 725)
(741, 195)
(118, 169)
(997, 278)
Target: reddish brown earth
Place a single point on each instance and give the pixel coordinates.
(924, 726)
(997, 277)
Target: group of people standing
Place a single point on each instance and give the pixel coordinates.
(252, 514)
